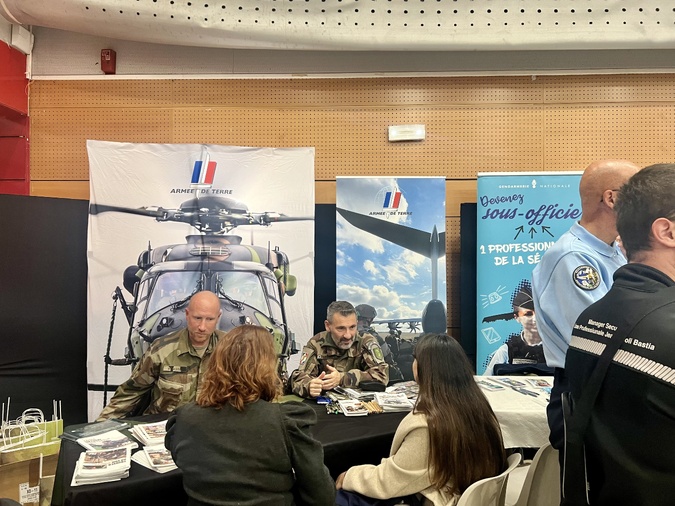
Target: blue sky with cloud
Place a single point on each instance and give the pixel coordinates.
(396, 281)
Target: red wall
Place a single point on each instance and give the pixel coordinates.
(14, 126)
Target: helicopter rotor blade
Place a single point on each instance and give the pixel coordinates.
(157, 212)
(268, 218)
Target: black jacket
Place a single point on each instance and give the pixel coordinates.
(630, 442)
(263, 455)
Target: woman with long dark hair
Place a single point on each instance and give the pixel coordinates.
(450, 440)
(237, 446)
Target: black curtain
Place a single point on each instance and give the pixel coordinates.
(467, 278)
(325, 277)
(43, 305)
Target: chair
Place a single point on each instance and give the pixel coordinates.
(541, 484)
(489, 491)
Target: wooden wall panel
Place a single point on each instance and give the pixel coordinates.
(577, 134)
(113, 94)
(354, 141)
(59, 135)
(474, 124)
(78, 190)
(608, 88)
(367, 92)
(453, 270)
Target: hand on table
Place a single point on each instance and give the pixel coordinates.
(332, 379)
(316, 385)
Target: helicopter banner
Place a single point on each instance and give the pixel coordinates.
(167, 220)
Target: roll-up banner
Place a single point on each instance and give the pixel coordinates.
(177, 218)
(391, 247)
(520, 215)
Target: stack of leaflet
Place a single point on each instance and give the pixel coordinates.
(157, 458)
(393, 402)
(355, 394)
(107, 441)
(409, 388)
(150, 434)
(101, 466)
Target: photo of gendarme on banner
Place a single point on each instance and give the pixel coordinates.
(519, 217)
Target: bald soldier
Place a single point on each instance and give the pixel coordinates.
(340, 356)
(172, 368)
(577, 271)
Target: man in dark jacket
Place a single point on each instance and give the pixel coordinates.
(629, 441)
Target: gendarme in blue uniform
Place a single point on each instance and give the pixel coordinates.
(573, 273)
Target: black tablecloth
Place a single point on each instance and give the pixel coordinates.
(347, 441)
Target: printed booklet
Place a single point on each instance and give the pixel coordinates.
(150, 434)
(100, 466)
(159, 458)
(393, 402)
(488, 385)
(107, 441)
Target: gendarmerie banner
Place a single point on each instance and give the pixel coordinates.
(520, 215)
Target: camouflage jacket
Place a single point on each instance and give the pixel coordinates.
(171, 371)
(363, 361)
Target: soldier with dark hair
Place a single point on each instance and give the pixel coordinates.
(525, 347)
(629, 449)
(339, 356)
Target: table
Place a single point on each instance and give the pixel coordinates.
(522, 416)
(347, 441)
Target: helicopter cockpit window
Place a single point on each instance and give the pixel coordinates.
(273, 294)
(244, 287)
(171, 287)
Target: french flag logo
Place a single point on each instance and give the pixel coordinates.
(392, 200)
(203, 173)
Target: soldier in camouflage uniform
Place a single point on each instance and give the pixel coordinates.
(172, 368)
(365, 314)
(340, 356)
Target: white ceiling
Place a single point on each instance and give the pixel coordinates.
(371, 25)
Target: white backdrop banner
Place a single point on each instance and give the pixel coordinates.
(146, 184)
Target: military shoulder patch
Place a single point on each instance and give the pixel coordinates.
(586, 277)
(303, 359)
(376, 351)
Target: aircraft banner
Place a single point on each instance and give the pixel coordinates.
(169, 205)
(391, 246)
(519, 217)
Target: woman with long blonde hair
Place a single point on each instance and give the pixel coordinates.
(450, 440)
(235, 445)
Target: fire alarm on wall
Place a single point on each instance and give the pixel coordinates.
(108, 61)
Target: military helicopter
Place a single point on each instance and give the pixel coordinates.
(250, 281)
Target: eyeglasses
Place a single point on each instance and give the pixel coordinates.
(602, 199)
